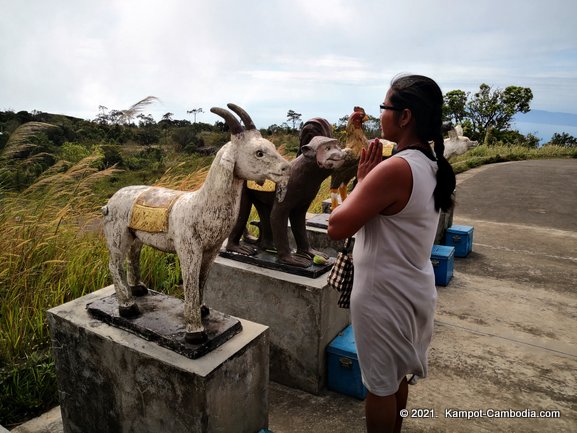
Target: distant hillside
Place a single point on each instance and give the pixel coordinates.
(547, 117)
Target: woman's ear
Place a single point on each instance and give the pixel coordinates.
(406, 117)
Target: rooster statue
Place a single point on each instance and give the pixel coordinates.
(355, 143)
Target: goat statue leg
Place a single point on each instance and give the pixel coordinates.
(126, 305)
(207, 260)
(137, 287)
(190, 264)
(233, 243)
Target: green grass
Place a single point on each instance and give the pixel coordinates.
(52, 251)
(482, 155)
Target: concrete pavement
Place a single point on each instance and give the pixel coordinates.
(506, 327)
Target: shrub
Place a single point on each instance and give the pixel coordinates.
(110, 156)
(73, 152)
(147, 135)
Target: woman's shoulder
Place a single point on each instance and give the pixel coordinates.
(417, 160)
(394, 166)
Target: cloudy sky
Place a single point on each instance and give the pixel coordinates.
(317, 57)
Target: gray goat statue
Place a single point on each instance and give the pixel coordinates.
(192, 224)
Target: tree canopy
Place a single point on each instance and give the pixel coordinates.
(455, 105)
(563, 139)
(489, 111)
(293, 116)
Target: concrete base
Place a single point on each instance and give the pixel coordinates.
(317, 225)
(269, 260)
(445, 221)
(161, 320)
(113, 381)
(302, 314)
(318, 238)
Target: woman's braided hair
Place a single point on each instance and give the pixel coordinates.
(424, 98)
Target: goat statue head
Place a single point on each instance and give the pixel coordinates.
(258, 159)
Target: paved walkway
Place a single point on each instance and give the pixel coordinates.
(506, 328)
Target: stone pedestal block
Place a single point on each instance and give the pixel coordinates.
(317, 225)
(445, 221)
(302, 314)
(113, 381)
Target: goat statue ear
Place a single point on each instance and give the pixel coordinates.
(228, 157)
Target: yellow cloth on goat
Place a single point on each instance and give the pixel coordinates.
(151, 208)
(268, 185)
(388, 149)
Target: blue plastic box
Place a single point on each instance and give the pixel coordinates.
(343, 371)
(443, 259)
(460, 237)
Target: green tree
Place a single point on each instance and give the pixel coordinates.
(372, 127)
(454, 106)
(103, 117)
(492, 109)
(145, 120)
(167, 118)
(563, 139)
(194, 112)
(293, 116)
(165, 124)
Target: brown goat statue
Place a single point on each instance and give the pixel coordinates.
(319, 154)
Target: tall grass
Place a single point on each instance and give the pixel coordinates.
(49, 256)
(52, 251)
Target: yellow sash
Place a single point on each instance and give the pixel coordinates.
(151, 208)
(268, 185)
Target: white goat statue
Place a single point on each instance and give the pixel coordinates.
(195, 223)
(457, 143)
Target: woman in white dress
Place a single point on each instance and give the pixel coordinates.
(394, 212)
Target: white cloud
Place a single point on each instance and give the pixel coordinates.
(319, 57)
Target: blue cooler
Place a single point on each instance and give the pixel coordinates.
(443, 259)
(343, 371)
(460, 237)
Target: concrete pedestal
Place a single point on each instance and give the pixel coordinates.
(302, 314)
(113, 381)
(445, 221)
(317, 225)
(319, 239)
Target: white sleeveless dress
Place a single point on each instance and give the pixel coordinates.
(394, 295)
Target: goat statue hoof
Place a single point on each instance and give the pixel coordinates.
(129, 312)
(204, 311)
(195, 337)
(139, 290)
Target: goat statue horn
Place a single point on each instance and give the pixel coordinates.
(248, 123)
(231, 121)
